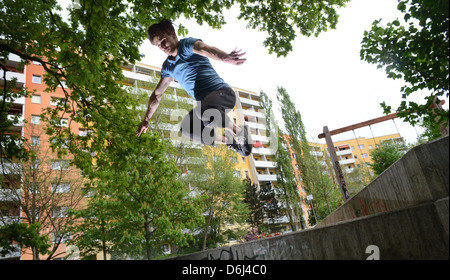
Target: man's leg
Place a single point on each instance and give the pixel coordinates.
(214, 108)
(192, 127)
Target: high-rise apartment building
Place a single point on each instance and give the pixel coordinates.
(353, 152)
(43, 190)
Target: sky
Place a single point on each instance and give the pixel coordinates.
(325, 77)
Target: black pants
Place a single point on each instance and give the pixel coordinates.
(209, 114)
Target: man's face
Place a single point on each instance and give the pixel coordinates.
(168, 43)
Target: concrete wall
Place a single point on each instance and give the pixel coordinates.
(403, 214)
(418, 232)
(421, 175)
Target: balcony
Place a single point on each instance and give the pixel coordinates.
(256, 125)
(20, 100)
(14, 255)
(263, 151)
(260, 138)
(347, 161)
(181, 99)
(133, 76)
(344, 152)
(10, 195)
(10, 168)
(20, 82)
(267, 177)
(20, 120)
(169, 127)
(249, 101)
(265, 164)
(252, 113)
(316, 153)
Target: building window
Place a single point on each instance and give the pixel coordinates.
(55, 101)
(236, 174)
(63, 83)
(36, 99)
(60, 143)
(59, 237)
(35, 141)
(60, 211)
(36, 79)
(35, 119)
(35, 164)
(64, 122)
(85, 132)
(243, 159)
(364, 156)
(34, 188)
(61, 188)
(360, 147)
(370, 147)
(60, 165)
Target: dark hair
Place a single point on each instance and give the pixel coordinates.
(163, 27)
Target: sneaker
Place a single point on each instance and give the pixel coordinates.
(244, 139)
(235, 146)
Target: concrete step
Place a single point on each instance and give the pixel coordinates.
(419, 232)
(421, 175)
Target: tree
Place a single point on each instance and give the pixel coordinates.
(432, 130)
(358, 178)
(314, 176)
(253, 200)
(22, 235)
(41, 189)
(287, 184)
(270, 204)
(140, 202)
(84, 51)
(94, 234)
(224, 197)
(385, 155)
(286, 181)
(418, 54)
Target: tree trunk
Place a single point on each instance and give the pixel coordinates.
(104, 250)
(149, 253)
(35, 253)
(207, 229)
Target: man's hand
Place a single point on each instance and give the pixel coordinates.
(203, 49)
(235, 57)
(142, 128)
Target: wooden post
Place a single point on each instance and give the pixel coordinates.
(337, 166)
(444, 129)
(359, 125)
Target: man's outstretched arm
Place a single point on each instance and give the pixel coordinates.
(153, 104)
(214, 53)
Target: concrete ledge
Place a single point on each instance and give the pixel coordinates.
(418, 232)
(421, 175)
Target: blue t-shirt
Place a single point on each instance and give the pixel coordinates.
(194, 72)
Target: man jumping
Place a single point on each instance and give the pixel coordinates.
(188, 62)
